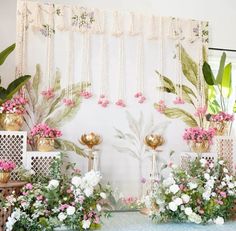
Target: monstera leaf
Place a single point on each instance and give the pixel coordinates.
(186, 117)
(4, 54)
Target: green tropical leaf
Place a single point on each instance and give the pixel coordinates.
(221, 68)
(4, 54)
(208, 74)
(189, 67)
(186, 117)
(234, 107)
(35, 82)
(226, 84)
(204, 53)
(214, 107)
(167, 83)
(211, 93)
(66, 145)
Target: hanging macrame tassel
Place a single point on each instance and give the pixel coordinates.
(37, 25)
(135, 22)
(153, 32)
(116, 25)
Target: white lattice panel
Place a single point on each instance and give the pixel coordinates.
(13, 147)
(40, 162)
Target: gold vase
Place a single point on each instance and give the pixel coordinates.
(4, 177)
(222, 128)
(199, 147)
(11, 121)
(45, 144)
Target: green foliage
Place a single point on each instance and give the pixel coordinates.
(4, 54)
(220, 85)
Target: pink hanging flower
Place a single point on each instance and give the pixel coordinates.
(141, 98)
(86, 94)
(120, 103)
(178, 100)
(103, 101)
(69, 102)
(48, 94)
(201, 111)
(143, 180)
(160, 106)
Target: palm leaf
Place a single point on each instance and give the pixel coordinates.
(126, 150)
(226, 83)
(221, 68)
(4, 54)
(66, 145)
(186, 117)
(208, 74)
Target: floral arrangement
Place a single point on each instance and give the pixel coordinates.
(221, 117)
(198, 134)
(7, 166)
(14, 105)
(203, 193)
(44, 131)
(73, 201)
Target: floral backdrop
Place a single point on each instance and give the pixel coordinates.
(104, 71)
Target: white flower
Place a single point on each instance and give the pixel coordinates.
(174, 188)
(206, 195)
(192, 185)
(188, 211)
(62, 216)
(147, 201)
(88, 191)
(211, 165)
(230, 185)
(76, 181)
(169, 181)
(193, 217)
(213, 194)
(92, 178)
(53, 184)
(86, 224)
(185, 198)
(172, 206)
(230, 192)
(203, 162)
(99, 208)
(178, 201)
(206, 176)
(223, 183)
(225, 170)
(210, 183)
(219, 221)
(221, 162)
(103, 195)
(70, 210)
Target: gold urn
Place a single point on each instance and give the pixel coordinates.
(45, 144)
(154, 140)
(199, 147)
(4, 177)
(222, 127)
(11, 121)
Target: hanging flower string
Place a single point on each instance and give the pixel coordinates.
(160, 106)
(48, 94)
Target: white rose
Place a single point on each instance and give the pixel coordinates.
(103, 195)
(223, 183)
(225, 170)
(221, 162)
(172, 206)
(193, 217)
(206, 195)
(230, 185)
(192, 185)
(178, 201)
(88, 191)
(99, 208)
(210, 183)
(188, 211)
(53, 184)
(70, 210)
(185, 198)
(203, 162)
(174, 188)
(211, 165)
(92, 178)
(206, 176)
(86, 224)
(76, 181)
(213, 194)
(169, 181)
(147, 201)
(219, 221)
(62, 216)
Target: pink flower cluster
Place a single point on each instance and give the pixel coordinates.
(69, 102)
(129, 200)
(44, 131)
(178, 100)
(7, 166)
(201, 111)
(198, 134)
(222, 116)
(48, 94)
(160, 106)
(15, 105)
(120, 103)
(141, 98)
(86, 94)
(103, 101)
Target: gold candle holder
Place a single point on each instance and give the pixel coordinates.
(90, 140)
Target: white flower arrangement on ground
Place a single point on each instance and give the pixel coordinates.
(73, 201)
(203, 193)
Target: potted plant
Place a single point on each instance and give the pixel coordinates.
(43, 137)
(6, 167)
(199, 139)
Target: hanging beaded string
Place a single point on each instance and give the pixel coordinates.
(38, 19)
(117, 32)
(153, 33)
(140, 65)
(134, 28)
(104, 80)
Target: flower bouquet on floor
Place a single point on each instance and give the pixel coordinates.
(42, 137)
(204, 193)
(199, 139)
(72, 201)
(12, 113)
(6, 167)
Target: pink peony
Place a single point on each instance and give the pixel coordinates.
(7, 166)
(43, 130)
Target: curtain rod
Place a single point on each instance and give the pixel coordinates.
(221, 49)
